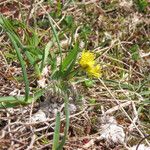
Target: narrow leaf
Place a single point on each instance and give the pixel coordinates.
(56, 132)
(24, 72)
(45, 54)
(67, 124)
(70, 57)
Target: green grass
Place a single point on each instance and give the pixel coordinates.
(33, 54)
(37, 45)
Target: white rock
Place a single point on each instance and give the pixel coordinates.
(72, 108)
(111, 131)
(39, 116)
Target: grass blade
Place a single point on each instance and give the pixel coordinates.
(24, 72)
(17, 100)
(8, 27)
(55, 34)
(70, 58)
(56, 133)
(45, 55)
(67, 125)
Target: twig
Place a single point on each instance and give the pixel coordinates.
(142, 141)
(123, 110)
(135, 118)
(30, 9)
(118, 107)
(30, 147)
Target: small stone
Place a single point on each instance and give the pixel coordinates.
(39, 116)
(72, 108)
(111, 131)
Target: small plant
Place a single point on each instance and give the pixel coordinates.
(89, 83)
(92, 101)
(51, 50)
(30, 52)
(142, 5)
(134, 52)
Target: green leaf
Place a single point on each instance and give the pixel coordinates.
(9, 105)
(9, 29)
(142, 5)
(67, 64)
(12, 101)
(46, 53)
(135, 52)
(56, 37)
(145, 93)
(71, 57)
(69, 21)
(123, 85)
(146, 101)
(5, 23)
(34, 40)
(89, 83)
(59, 8)
(24, 72)
(56, 132)
(67, 124)
(92, 101)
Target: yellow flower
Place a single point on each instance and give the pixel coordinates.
(94, 71)
(88, 63)
(87, 59)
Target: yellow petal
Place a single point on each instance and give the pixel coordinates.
(87, 59)
(94, 71)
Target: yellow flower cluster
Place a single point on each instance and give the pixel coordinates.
(87, 62)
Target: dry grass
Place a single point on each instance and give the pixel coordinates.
(119, 34)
